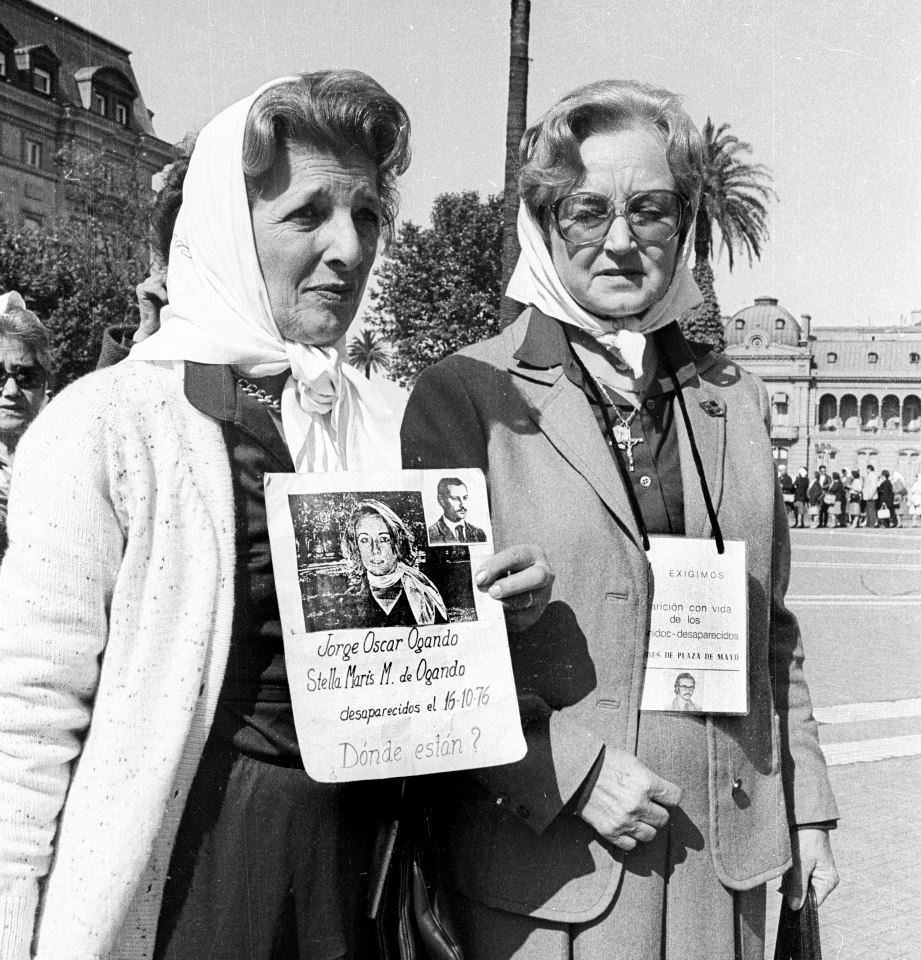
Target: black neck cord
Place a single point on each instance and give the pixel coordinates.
(622, 469)
(698, 463)
(618, 457)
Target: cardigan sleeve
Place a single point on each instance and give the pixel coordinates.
(807, 790)
(56, 583)
(443, 428)
(116, 345)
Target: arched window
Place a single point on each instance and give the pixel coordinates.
(832, 357)
(891, 412)
(911, 414)
(847, 410)
(828, 412)
(872, 357)
(107, 92)
(869, 413)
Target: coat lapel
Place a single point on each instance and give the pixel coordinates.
(707, 414)
(562, 413)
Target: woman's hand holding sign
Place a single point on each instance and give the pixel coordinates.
(521, 578)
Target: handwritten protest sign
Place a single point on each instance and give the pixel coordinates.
(697, 658)
(398, 665)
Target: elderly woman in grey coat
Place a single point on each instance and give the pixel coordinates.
(622, 834)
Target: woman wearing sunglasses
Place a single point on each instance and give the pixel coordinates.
(25, 367)
(622, 834)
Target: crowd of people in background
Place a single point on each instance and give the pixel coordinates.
(850, 499)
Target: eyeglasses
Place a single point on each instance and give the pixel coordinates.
(26, 378)
(653, 216)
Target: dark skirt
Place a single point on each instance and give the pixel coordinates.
(268, 864)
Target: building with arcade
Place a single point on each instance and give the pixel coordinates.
(840, 396)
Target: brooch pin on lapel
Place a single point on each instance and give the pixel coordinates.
(713, 407)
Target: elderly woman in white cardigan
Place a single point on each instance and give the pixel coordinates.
(153, 803)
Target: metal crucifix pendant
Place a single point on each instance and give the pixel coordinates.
(626, 442)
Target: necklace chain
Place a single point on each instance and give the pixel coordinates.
(628, 420)
(259, 395)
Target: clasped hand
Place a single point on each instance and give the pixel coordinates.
(627, 804)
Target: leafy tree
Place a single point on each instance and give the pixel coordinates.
(79, 273)
(515, 124)
(438, 288)
(734, 199)
(368, 352)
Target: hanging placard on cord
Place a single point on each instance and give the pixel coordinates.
(697, 657)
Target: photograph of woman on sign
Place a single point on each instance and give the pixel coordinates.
(386, 584)
(363, 563)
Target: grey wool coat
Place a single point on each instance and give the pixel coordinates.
(510, 836)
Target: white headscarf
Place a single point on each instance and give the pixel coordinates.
(535, 281)
(333, 418)
(11, 301)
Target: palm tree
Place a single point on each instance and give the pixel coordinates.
(515, 125)
(368, 351)
(734, 198)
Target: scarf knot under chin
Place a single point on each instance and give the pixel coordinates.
(535, 281)
(318, 377)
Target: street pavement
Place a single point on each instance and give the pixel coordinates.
(857, 594)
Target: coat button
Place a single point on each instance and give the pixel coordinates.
(645, 481)
(502, 799)
(650, 404)
(737, 785)
(524, 813)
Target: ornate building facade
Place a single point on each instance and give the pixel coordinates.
(63, 87)
(844, 397)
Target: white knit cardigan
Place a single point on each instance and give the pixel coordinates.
(116, 605)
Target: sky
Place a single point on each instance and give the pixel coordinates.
(828, 93)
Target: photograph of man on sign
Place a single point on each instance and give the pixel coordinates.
(685, 685)
(452, 526)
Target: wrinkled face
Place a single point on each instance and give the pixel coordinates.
(316, 226)
(618, 276)
(375, 545)
(454, 503)
(686, 689)
(19, 403)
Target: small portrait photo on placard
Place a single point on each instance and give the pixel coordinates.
(453, 506)
(685, 686)
(363, 562)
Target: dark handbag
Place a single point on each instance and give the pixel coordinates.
(411, 921)
(798, 931)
